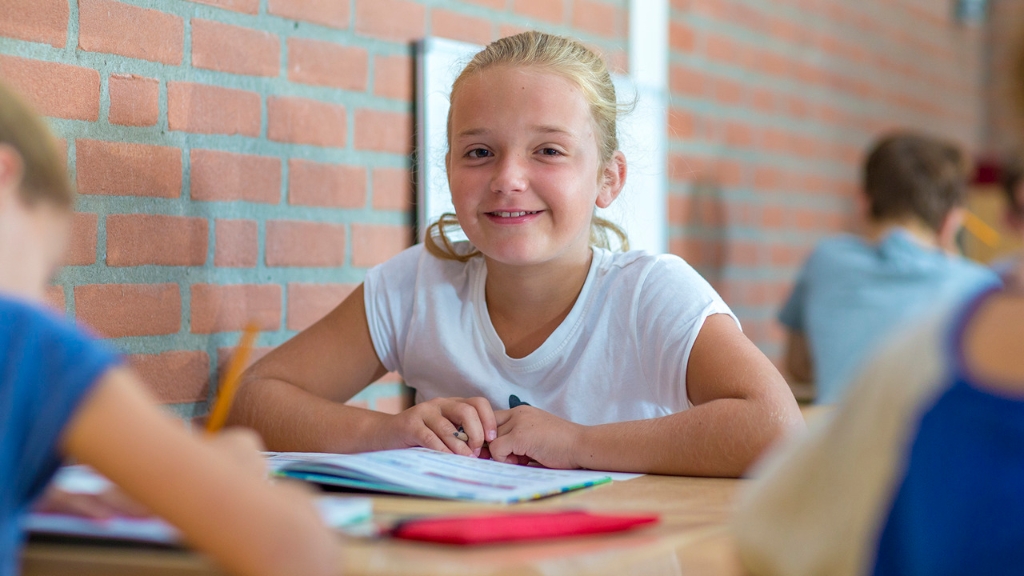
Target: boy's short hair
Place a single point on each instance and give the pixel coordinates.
(912, 175)
(1010, 179)
(45, 177)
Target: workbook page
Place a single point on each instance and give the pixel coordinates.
(442, 475)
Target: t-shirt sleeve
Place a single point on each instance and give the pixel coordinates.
(48, 366)
(673, 303)
(388, 295)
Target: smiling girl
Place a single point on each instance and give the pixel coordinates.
(625, 360)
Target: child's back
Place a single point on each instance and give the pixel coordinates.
(63, 394)
(854, 290)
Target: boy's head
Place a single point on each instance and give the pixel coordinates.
(36, 199)
(42, 174)
(909, 176)
(1012, 183)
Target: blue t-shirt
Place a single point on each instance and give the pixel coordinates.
(851, 293)
(959, 508)
(46, 368)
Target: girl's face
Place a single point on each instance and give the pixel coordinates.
(524, 169)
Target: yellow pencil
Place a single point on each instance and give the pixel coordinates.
(229, 382)
(981, 230)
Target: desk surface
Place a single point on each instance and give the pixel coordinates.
(690, 539)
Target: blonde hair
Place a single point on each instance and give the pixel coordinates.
(44, 175)
(575, 62)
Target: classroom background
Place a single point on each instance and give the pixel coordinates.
(251, 159)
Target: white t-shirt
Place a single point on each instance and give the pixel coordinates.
(619, 355)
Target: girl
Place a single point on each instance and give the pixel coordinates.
(62, 394)
(608, 351)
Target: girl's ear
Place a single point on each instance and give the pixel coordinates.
(12, 170)
(613, 178)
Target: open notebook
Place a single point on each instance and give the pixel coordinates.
(346, 514)
(422, 472)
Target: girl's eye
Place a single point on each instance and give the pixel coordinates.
(478, 153)
(550, 152)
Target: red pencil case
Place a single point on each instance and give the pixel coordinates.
(489, 528)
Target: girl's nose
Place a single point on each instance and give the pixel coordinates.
(509, 175)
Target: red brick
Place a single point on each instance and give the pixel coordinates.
(175, 376)
(36, 21)
(492, 4)
(687, 81)
(122, 169)
(212, 109)
(328, 185)
(54, 298)
(739, 135)
(236, 244)
(511, 30)
(297, 243)
(392, 189)
(119, 28)
(396, 20)
(217, 308)
(548, 10)
(681, 37)
(47, 86)
(134, 100)
(120, 310)
(449, 24)
(243, 6)
(82, 248)
(600, 18)
(681, 124)
(330, 13)
(304, 121)
(154, 239)
(393, 77)
(327, 64)
(382, 131)
(773, 217)
(373, 243)
(679, 209)
(226, 176)
(308, 303)
(728, 92)
(234, 49)
(720, 48)
(224, 355)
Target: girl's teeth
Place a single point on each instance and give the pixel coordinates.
(513, 214)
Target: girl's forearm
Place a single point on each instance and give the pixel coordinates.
(291, 419)
(719, 438)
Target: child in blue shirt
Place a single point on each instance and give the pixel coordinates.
(854, 289)
(65, 395)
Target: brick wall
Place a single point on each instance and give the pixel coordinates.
(773, 103)
(1004, 122)
(240, 159)
(246, 159)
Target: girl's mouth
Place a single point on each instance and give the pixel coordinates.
(512, 214)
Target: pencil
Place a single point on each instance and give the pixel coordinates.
(981, 230)
(229, 382)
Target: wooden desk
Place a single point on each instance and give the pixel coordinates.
(690, 539)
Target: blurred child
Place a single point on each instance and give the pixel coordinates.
(64, 394)
(1011, 182)
(625, 361)
(920, 470)
(854, 289)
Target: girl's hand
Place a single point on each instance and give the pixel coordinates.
(434, 424)
(526, 433)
